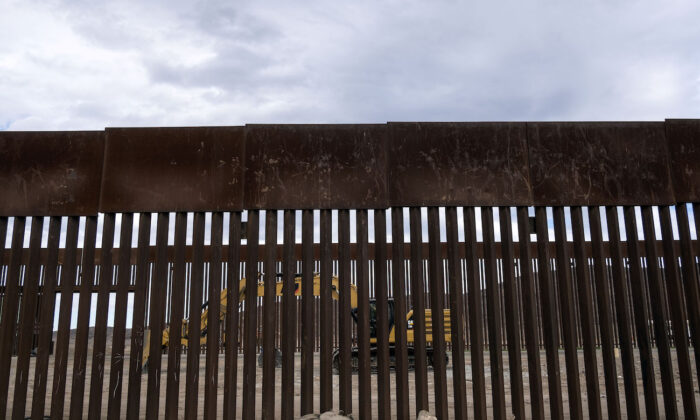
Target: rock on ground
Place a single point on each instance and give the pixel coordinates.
(329, 415)
(339, 415)
(424, 415)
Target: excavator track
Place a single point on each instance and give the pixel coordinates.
(373, 359)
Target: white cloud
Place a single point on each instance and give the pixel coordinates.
(80, 65)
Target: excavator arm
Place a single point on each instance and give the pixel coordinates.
(223, 299)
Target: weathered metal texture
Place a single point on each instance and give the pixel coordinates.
(476, 317)
(363, 322)
(641, 316)
(683, 137)
(47, 318)
(124, 273)
(600, 280)
(50, 173)
(622, 305)
(530, 316)
(418, 303)
(289, 323)
(142, 279)
(599, 164)
(656, 295)
(268, 333)
(457, 164)
(325, 322)
(345, 321)
(9, 309)
(585, 302)
(196, 290)
(25, 326)
(231, 321)
(173, 169)
(214, 338)
(68, 276)
(176, 314)
(99, 343)
(87, 280)
(315, 166)
(348, 166)
(307, 314)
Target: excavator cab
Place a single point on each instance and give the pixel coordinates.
(373, 316)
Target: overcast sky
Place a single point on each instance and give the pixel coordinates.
(87, 65)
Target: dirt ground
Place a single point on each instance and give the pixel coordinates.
(355, 381)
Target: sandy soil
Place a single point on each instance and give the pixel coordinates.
(355, 379)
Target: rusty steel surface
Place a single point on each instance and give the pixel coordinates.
(343, 166)
(52, 173)
(173, 169)
(599, 163)
(315, 166)
(458, 164)
(683, 138)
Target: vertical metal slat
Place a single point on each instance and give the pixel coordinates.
(640, 314)
(456, 315)
(583, 281)
(326, 314)
(100, 331)
(690, 281)
(9, 309)
(172, 392)
(566, 303)
(679, 324)
(381, 295)
(418, 298)
(549, 314)
(493, 311)
(605, 317)
(137, 329)
(307, 313)
(511, 303)
(211, 376)
(87, 278)
(195, 319)
(436, 295)
(28, 303)
(530, 315)
(158, 288)
(68, 276)
(363, 333)
(268, 390)
(344, 320)
(123, 278)
(659, 318)
(623, 316)
(475, 314)
(47, 317)
(289, 322)
(232, 308)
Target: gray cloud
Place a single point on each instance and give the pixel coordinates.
(80, 65)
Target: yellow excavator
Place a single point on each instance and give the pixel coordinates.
(335, 289)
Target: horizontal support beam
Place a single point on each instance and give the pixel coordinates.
(353, 251)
